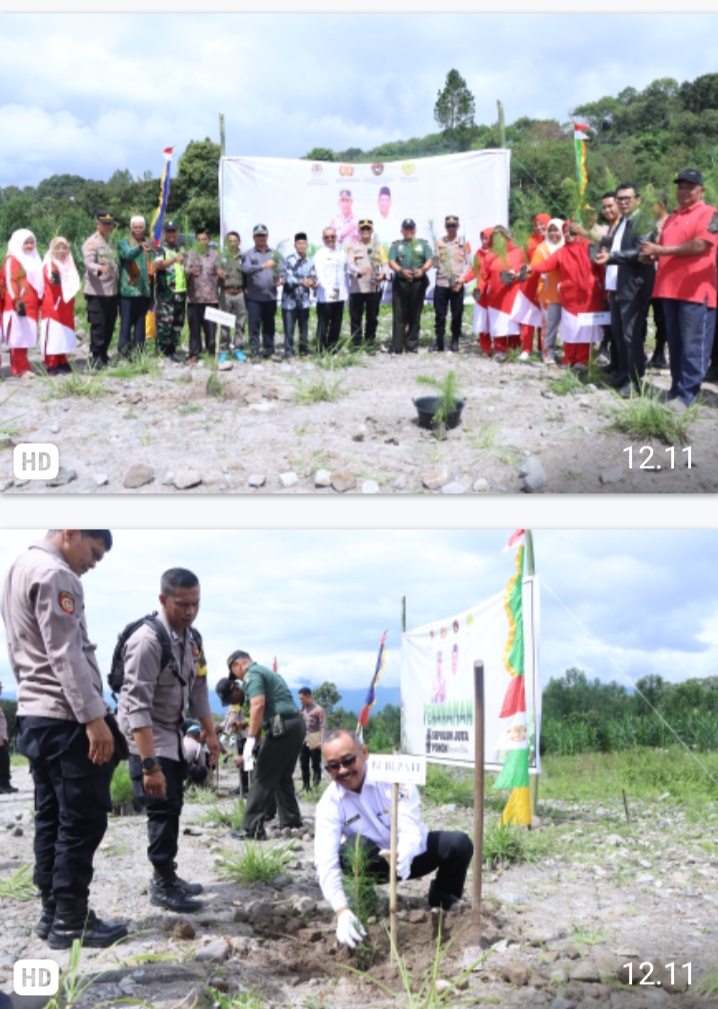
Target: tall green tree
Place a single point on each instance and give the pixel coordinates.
(454, 109)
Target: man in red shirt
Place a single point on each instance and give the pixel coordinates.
(686, 281)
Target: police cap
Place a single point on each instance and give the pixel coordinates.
(233, 658)
(451, 219)
(105, 216)
(365, 224)
(260, 229)
(408, 223)
(225, 687)
(171, 226)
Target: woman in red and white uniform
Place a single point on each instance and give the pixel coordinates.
(57, 329)
(24, 289)
(480, 322)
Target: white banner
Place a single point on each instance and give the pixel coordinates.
(291, 195)
(437, 682)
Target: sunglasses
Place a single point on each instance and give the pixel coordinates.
(334, 765)
(330, 236)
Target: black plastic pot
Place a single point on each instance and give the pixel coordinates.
(426, 408)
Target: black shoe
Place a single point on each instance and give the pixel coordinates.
(244, 835)
(442, 898)
(437, 345)
(98, 363)
(455, 344)
(657, 362)
(413, 350)
(42, 929)
(170, 876)
(168, 893)
(74, 921)
(235, 791)
(7, 790)
(175, 358)
(712, 374)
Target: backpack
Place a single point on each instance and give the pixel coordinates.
(116, 676)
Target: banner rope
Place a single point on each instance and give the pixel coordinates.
(628, 678)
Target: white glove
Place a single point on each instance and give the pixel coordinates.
(403, 866)
(248, 753)
(350, 930)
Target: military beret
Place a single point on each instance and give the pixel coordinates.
(408, 223)
(345, 194)
(366, 223)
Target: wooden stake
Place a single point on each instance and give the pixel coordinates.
(393, 867)
(475, 931)
(625, 805)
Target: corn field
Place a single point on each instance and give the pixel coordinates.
(698, 730)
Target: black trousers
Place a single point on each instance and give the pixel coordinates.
(628, 326)
(443, 298)
(261, 315)
(132, 324)
(272, 778)
(407, 301)
(5, 763)
(72, 800)
(659, 318)
(449, 851)
(359, 304)
(163, 813)
(313, 757)
(102, 316)
(197, 324)
(329, 324)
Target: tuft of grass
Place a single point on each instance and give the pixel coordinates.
(198, 796)
(512, 355)
(505, 844)
(140, 363)
(317, 390)
(244, 1000)
(121, 786)
(346, 356)
(255, 862)
(565, 384)
(214, 386)
(19, 885)
(446, 785)
(707, 984)
(231, 817)
(88, 385)
(74, 984)
(645, 417)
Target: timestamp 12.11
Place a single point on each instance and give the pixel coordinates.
(648, 967)
(648, 453)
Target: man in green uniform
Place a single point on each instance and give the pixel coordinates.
(170, 293)
(272, 710)
(411, 259)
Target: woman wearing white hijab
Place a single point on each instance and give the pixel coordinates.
(57, 329)
(24, 288)
(548, 291)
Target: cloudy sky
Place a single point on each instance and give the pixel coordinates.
(320, 601)
(90, 93)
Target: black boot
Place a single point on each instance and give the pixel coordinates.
(438, 344)
(42, 929)
(168, 892)
(455, 344)
(442, 898)
(73, 921)
(191, 888)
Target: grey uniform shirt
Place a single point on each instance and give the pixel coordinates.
(364, 257)
(50, 652)
(154, 697)
(98, 252)
(260, 283)
(3, 726)
(452, 260)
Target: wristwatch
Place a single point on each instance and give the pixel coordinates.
(150, 765)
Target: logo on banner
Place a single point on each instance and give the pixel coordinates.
(377, 169)
(317, 168)
(408, 168)
(346, 170)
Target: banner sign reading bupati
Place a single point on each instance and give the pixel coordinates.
(289, 195)
(437, 681)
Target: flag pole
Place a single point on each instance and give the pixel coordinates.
(531, 570)
(394, 842)
(478, 803)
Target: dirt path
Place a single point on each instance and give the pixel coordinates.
(257, 439)
(597, 895)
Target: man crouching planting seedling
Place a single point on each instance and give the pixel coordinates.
(356, 809)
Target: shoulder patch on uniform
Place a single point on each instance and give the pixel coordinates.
(712, 228)
(67, 602)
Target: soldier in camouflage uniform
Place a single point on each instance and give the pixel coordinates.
(366, 264)
(170, 293)
(452, 259)
(410, 259)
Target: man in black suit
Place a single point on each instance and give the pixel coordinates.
(634, 286)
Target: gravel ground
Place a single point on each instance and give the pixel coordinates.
(556, 930)
(257, 439)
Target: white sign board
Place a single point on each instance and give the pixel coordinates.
(290, 195)
(223, 318)
(397, 768)
(437, 681)
(594, 318)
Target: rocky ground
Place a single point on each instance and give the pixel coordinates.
(557, 930)
(162, 432)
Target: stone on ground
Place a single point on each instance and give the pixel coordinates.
(137, 476)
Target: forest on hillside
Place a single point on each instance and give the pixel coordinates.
(642, 136)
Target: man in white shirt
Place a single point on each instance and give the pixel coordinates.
(330, 266)
(354, 804)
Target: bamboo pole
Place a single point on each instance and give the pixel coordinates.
(534, 778)
(393, 868)
(478, 802)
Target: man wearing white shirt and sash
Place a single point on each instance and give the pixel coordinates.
(330, 266)
(354, 804)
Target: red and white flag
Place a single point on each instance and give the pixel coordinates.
(580, 131)
(516, 539)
